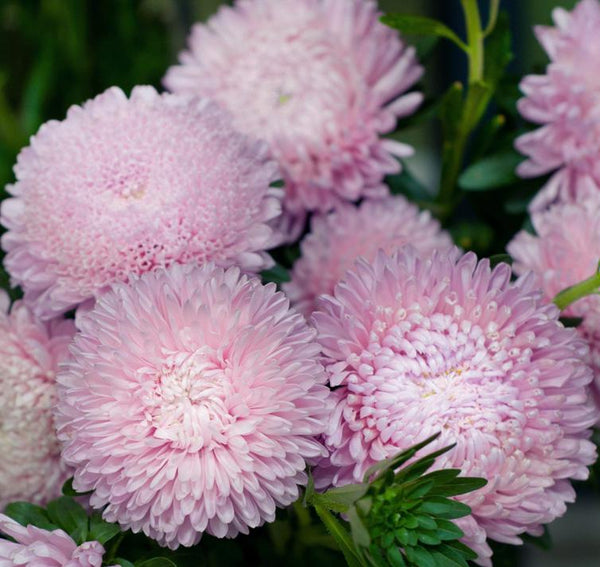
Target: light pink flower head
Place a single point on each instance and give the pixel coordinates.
(566, 102)
(30, 352)
(565, 251)
(418, 346)
(40, 548)
(126, 186)
(191, 404)
(336, 240)
(319, 80)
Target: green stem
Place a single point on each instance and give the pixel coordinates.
(494, 8)
(474, 40)
(570, 295)
(471, 111)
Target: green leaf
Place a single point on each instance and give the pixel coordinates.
(419, 25)
(339, 499)
(491, 172)
(420, 556)
(123, 562)
(360, 534)
(398, 460)
(458, 547)
(446, 530)
(418, 489)
(29, 514)
(448, 561)
(102, 531)
(395, 557)
(444, 508)
(498, 51)
(277, 274)
(156, 562)
(341, 536)
(70, 516)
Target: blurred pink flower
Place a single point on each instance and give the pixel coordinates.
(191, 404)
(336, 240)
(319, 80)
(566, 102)
(565, 251)
(414, 347)
(40, 548)
(126, 186)
(30, 352)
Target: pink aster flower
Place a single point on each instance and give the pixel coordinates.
(417, 346)
(565, 251)
(191, 404)
(319, 80)
(30, 352)
(336, 240)
(566, 102)
(124, 186)
(41, 548)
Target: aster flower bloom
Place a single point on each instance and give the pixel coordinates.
(319, 80)
(336, 240)
(126, 186)
(191, 404)
(34, 546)
(30, 352)
(566, 251)
(416, 346)
(565, 102)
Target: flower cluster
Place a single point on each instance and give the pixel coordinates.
(188, 396)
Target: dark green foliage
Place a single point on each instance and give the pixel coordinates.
(400, 515)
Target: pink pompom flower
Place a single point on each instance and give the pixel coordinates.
(565, 251)
(418, 346)
(124, 186)
(30, 352)
(338, 239)
(191, 404)
(319, 80)
(565, 102)
(41, 548)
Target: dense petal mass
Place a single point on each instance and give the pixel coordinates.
(192, 403)
(41, 548)
(418, 346)
(319, 80)
(30, 352)
(566, 102)
(338, 239)
(565, 251)
(126, 186)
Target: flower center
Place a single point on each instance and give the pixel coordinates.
(186, 400)
(299, 85)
